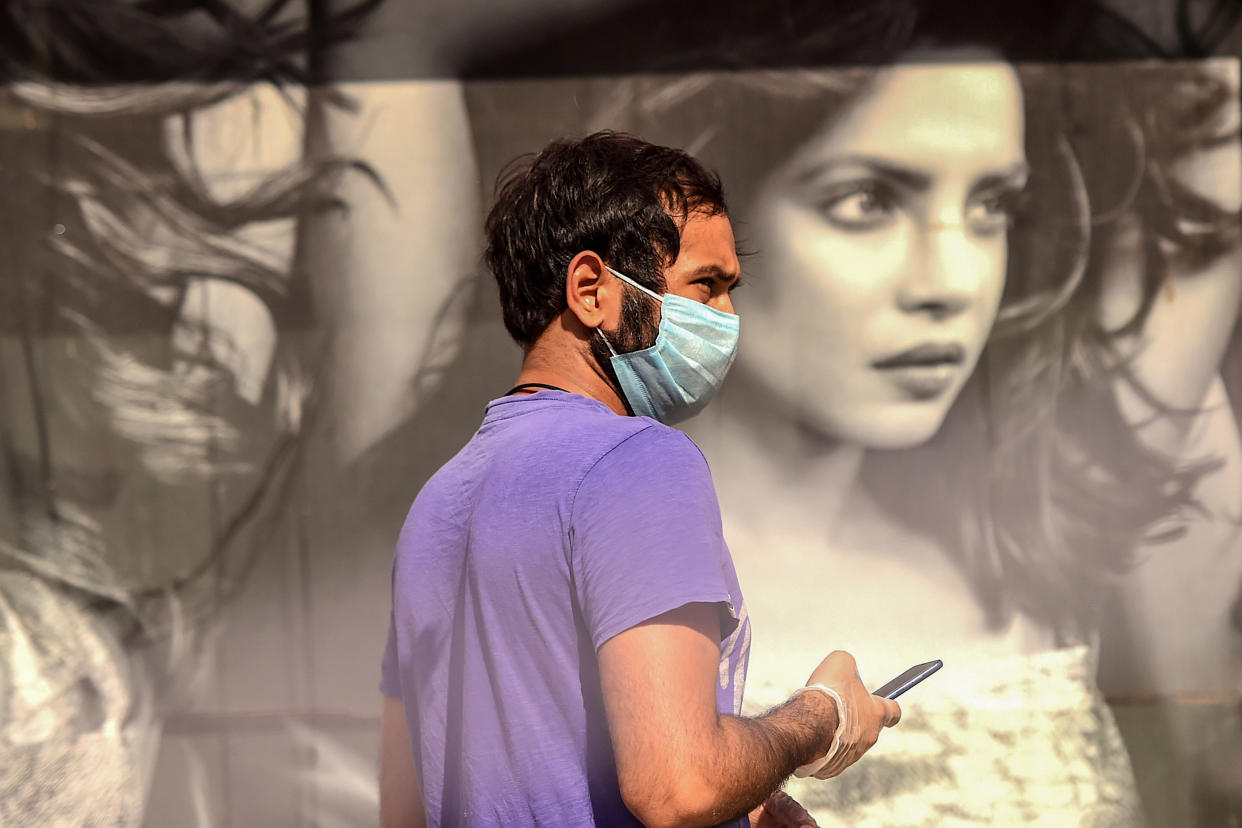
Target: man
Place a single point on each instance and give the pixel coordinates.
(568, 641)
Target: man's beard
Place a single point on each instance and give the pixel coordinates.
(638, 329)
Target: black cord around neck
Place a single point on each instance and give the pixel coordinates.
(526, 385)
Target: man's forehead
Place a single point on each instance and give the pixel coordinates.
(707, 247)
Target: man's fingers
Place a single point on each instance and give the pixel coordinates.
(789, 811)
(892, 712)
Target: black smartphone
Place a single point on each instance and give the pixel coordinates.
(908, 679)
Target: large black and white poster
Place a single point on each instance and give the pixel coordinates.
(985, 407)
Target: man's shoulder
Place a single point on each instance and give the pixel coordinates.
(579, 425)
(644, 450)
(580, 439)
(642, 436)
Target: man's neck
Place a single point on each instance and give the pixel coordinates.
(565, 363)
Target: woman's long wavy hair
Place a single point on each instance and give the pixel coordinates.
(108, 222)
(1072, 492)
(1037, 483)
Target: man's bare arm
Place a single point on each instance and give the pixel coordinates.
(681, 763)
(401, 804)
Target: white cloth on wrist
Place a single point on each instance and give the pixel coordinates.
(815, 765)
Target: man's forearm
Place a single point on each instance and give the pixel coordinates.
(679, 761)
(761, 752)
(401, 804)
(739, 765)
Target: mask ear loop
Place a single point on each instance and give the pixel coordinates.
(600, 331)
(630, 281)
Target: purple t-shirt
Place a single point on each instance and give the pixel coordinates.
(559, 525)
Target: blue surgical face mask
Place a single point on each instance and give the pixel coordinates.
(676, 377)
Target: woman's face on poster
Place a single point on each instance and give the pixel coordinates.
(880, 251)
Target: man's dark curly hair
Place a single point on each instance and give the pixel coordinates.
(615, 194)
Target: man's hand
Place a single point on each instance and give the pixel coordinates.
(781, 811)
(862, 714)
(679, 761)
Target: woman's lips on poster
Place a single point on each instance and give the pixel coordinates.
(925, 371)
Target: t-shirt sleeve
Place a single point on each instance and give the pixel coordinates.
(390, 676)
(646, 535)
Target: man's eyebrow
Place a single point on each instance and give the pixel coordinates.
(715, 271)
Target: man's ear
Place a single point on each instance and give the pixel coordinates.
(589, 293)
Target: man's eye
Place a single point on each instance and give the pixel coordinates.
(861, 206)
